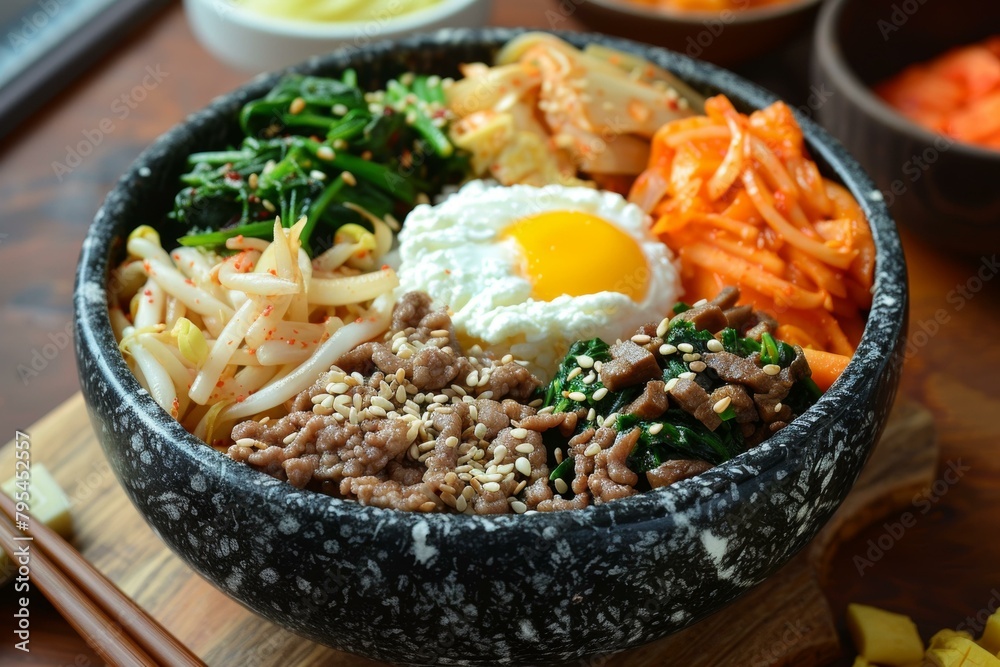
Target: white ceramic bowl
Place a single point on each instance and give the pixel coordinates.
(254, 42)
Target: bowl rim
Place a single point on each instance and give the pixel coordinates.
(306, 29)
(699, 16)
(829, 55)
(872, 361)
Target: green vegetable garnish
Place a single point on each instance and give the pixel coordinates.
(299, 142)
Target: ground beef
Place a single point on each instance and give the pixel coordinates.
(411, 422)
(674, 471)
(629, 365)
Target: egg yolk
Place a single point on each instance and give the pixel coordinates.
(576, 253)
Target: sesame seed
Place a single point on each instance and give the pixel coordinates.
(558, 454)
(561, 485)
(722, 404)
(585, 361)
(401, 394)
(458, 390)
(520, 486)
(655, 428)
(598, 365)
(289, 439)
(472, 378)
(591, 414)
(591, 377)
(328, 402)
(414, 451)
(491, 487)
(576, 372)
(339, 109)
(413, 432)
(641, 339)
(666, 350)
(519, 433)
(691, 357)
(663, 327)
(610, 419)
(442, 399)
(499, 453)
(378, 401)
(593, 449)
(246, 442)
(451, 441)
(325, 153)
(349, 178)
(519, 507)
(686, 347)
(671, 383)
(699, 303)
(686, 376)
(319, 398)
(269, 206)
(480, 431)
(714, 346)
(772, 369)
(322, 410)
(505, 469)
(523, 448)
(577, 396)
(253, 180)
(440, 333)
(698, 366)
(600, 394)
(297, 106)
(778, 406)
(523, 466)
(460, 504)
(547, 410)
(506, 359)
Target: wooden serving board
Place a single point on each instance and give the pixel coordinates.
(785, 621)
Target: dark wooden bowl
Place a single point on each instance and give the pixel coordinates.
(944, 190)
(725, 38)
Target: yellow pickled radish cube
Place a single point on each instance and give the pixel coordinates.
(991, 635)
(48, 504)
(941, 639)
(961, 652)
(883, 637)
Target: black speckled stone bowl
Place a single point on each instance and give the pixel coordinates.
(946, 191)
(455, 589)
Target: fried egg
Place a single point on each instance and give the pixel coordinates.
(529, 270)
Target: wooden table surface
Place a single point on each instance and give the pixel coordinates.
(941, 571)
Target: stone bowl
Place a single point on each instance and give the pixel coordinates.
(466, 590)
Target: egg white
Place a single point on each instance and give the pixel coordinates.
(455, 253)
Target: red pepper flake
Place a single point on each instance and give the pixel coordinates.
(219, 384)
(189, 282)
(359, 320)
(176, 257)
(148, 292)
(241, 398)
(273, 272)
(267, 310)
(385, 267)
(251, 351)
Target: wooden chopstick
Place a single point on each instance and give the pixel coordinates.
(117, 628)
